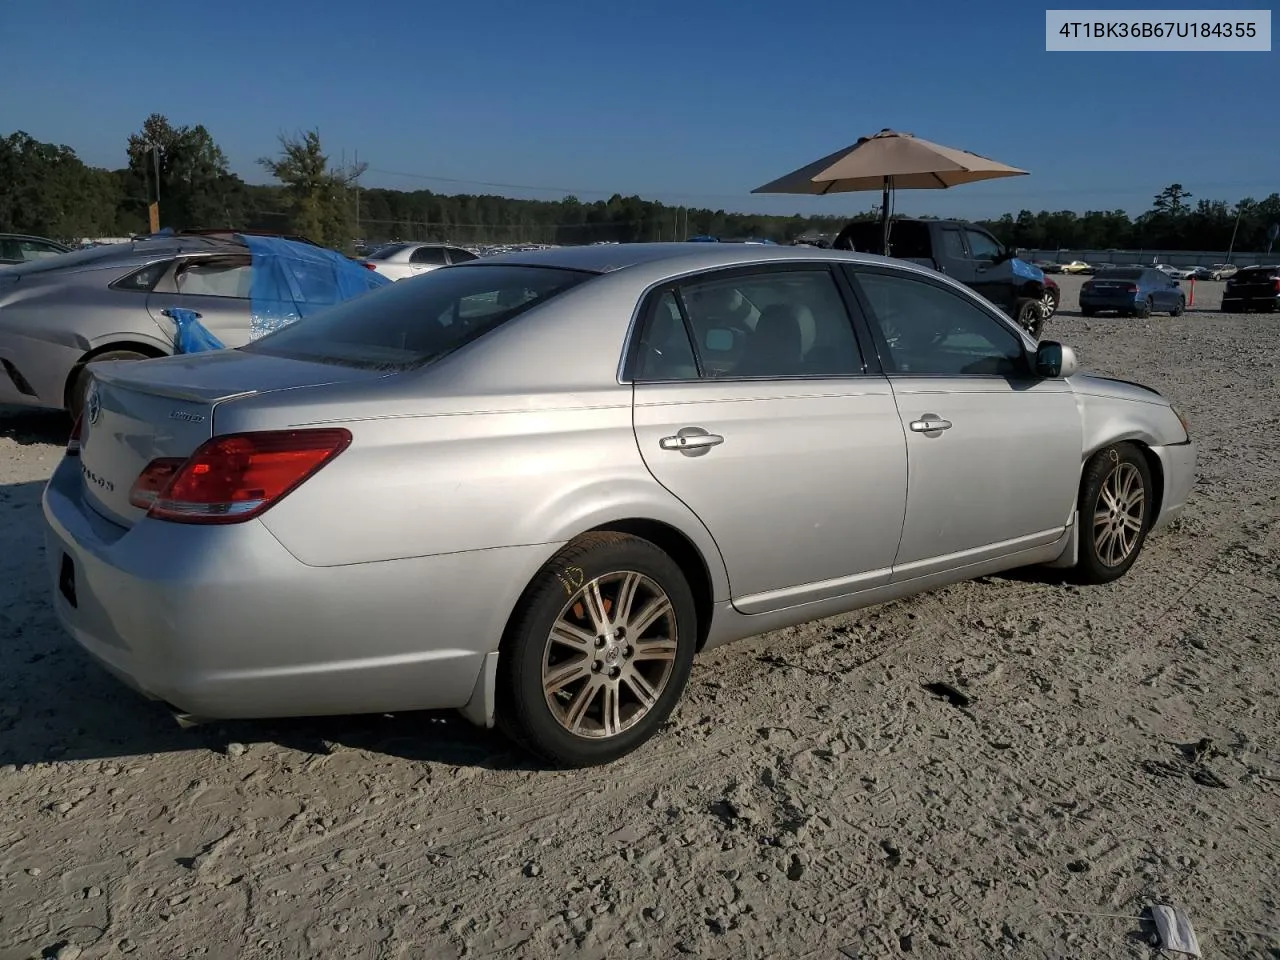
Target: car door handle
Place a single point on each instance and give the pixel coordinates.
(930, 423)
(692, 440)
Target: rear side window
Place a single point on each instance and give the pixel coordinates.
(216, 277)
(143, 280)
(431, 256)
(460, 256)
(407, 325)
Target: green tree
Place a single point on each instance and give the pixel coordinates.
(196, 189)
(50, 192)
(317, 196)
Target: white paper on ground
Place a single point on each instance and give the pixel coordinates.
(1174, 927)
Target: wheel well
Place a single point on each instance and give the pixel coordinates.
(1157, 476)
(680, 549)
(1154, 465)
(146, 349)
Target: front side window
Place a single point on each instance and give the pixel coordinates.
(216, 277)
(772, 324)
(407, 325)
(931, 331)
(981, 246)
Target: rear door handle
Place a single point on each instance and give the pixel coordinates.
(691, 441)
(930, 423)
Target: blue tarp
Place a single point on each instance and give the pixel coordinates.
(1028, 271)
(193, 336)
(289, 281)
(293, 280)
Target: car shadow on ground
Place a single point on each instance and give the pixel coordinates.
(56, 704)
(27, 427)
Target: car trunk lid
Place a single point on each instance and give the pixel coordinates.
(138, 411)
(1254, 283)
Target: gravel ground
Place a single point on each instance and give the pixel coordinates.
(808, 797)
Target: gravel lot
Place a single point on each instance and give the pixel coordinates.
(808, 796)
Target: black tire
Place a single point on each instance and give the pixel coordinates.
(1145, 310)
(1030, 318)
(1121, 461)
(1178, 310)
(80, 380)
(522, 709)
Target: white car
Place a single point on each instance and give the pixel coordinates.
(400, 261)
(1177, 273)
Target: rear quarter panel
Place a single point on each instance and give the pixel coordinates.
(424, 477)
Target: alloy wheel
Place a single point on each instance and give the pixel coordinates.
(1118, 515)
(609, 655)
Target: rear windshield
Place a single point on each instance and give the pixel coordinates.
(1124, 273)
(1257, 274)
(390, 250)
(412, 323)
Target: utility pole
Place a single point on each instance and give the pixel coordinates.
(154, 209)
(358, 232)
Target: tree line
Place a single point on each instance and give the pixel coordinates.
(48, 191)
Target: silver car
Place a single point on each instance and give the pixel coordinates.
(533, 487)
(60, 315)
(400, 261)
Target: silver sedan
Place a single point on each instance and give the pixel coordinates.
(533, 487)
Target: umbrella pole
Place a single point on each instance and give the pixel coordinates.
(884, 215)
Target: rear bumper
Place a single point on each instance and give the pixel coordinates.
(1250, 303)
(1109, 303)
(222, 622)
(1178, 464)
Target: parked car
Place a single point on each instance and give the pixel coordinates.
(60, 315)
(1077, 266)
(21, 248)
(1134, 292)
(964, 251)
(528, 488)
(1253, 288)
(1224, 271)
(1177, 273)
(1049, 266)
(400, 261)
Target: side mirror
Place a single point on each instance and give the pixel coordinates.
(1053, 360)
(1174, 282)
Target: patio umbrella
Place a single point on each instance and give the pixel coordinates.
(887, 161)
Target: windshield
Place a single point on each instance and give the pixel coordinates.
(406, 325)
(390, 250)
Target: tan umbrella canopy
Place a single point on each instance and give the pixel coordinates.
(886, 161)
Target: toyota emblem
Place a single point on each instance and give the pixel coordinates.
(93, 403)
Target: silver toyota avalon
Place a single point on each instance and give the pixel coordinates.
(532, 487)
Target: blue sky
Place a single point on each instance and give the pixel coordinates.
(693, 102)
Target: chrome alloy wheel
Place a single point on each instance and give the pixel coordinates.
(1118, 515)
(609, 655)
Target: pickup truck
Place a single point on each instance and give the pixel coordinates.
(967, 253)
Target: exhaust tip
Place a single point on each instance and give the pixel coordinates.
(185, 720)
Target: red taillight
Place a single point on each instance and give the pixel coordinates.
(234, 478)
(1132, 288)
(368, 266)
(153, 480)
(1277, 284)
(73, 441)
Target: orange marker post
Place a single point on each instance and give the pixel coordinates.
(1192, 301)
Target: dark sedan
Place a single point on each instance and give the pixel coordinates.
(1253, 288)
(1134, 292)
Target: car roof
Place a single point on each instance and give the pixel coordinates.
(675, 257)
(130, 253)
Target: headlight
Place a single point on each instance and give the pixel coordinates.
(1186, 427)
